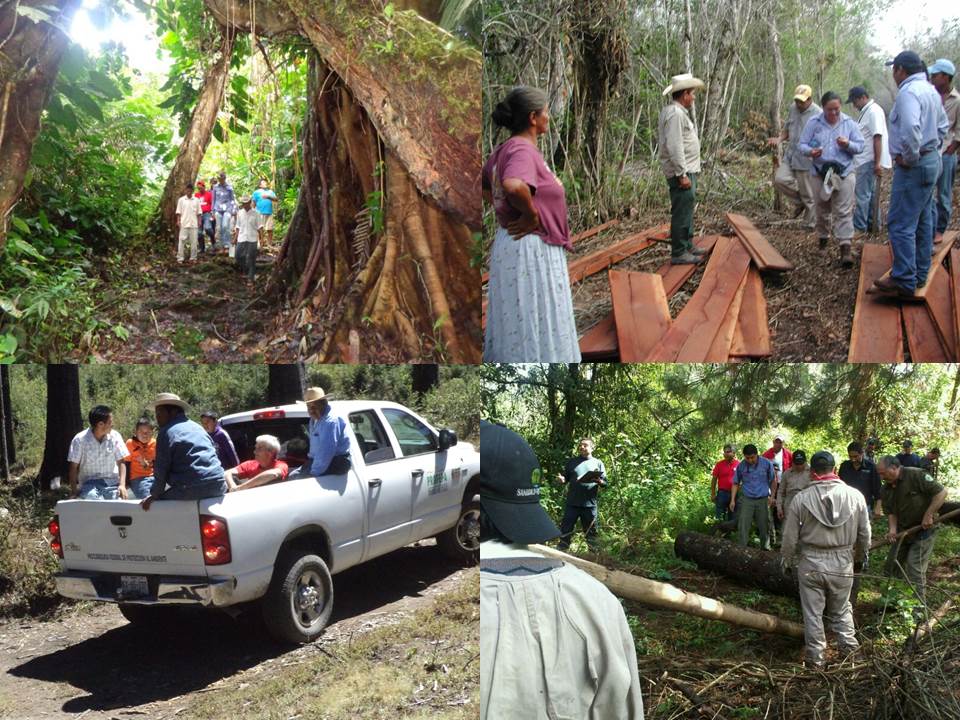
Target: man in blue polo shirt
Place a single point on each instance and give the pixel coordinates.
(918, 125)
(755, 482)
(264, 198)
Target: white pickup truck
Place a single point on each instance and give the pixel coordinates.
(278, 544)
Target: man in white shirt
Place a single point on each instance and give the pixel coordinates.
(554, 641)
(246, 236)
(875, 158)
(96, 459)
(189, 212)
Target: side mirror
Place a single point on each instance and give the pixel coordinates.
(448, 438)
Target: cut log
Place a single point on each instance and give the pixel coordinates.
(600, 341)
(752, 336)
(607, 257)
(640, 313)
(694, 329)
(750, 566)
(663, 595)
(939, 306)
(949, 513)
(674, 276)
(922, 338)
(877, 335)
(764, 255)
(936, 263)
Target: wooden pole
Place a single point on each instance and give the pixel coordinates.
(915, 528)
(663, 595)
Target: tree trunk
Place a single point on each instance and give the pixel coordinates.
(194, 145)
(30, 54)
(64, 420)
(669, 597)
(423, 377)
(776, 101)
(7, 454)
(760, 568)
(285, 384)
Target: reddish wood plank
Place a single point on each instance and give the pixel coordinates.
(752, 336)
(764, 255)
(939, 306)
(640, 313)
(695, 327)
(936, 262)
(605, 257)
(922, 338)
(955, 294)
(600, 341)
(720, 348)
(877, 334)
(674, 276)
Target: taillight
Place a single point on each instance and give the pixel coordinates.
(55, 544)
(215, 539)
(270, 415)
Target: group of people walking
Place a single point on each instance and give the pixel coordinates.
(233, 226)
(830, 168)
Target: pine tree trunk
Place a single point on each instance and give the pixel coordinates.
(195, 142)
(7, 449)
(760, 568)
(64, 420)
(30, 54)
(423, 377)
(286, 383)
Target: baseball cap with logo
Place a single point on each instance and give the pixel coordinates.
(510, 486)
(799, 457)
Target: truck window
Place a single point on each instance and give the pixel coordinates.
(414, 437)
(371, 437)
(291, 432)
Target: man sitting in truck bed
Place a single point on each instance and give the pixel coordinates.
(263, 469)
(186, 459)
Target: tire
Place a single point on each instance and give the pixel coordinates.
(299, 601)
(462, 541)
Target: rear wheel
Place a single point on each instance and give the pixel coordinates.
(299, 602)
(462, 541)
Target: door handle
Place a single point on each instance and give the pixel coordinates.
(417, 474)
(375, 483)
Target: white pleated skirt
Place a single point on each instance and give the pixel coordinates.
(529, 307)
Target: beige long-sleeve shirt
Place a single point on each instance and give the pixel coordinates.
(791, 482)
(679, 144)
(555, 646)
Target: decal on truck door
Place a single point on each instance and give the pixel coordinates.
(437, 482)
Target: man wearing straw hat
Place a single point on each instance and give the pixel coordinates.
(329, 442)
(680, 160)
(186, 459)
(825, 528)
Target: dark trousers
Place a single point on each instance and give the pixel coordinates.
(722, 506)
(681, 215)
(588, 522)
(246, 257)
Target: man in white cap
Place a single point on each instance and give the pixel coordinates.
(680, 160)
(825, 528)
(941, 77)
(186, 459)
(792, 178)
(554, 641)
(329, 442)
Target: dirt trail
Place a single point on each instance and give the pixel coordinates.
(89, 662)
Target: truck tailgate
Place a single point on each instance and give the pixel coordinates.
(118, 536)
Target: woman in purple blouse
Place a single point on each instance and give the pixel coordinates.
(529, 310)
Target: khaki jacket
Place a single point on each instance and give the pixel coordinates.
(828, 519)
(792, 482)
(679, 144)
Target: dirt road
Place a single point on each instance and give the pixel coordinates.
(88, 662)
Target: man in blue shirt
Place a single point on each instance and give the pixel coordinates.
(832, 139)
(918, 125)
(756, 483)
(329, 442)
(264, 198)
(908, 458)
(186, 459)
(225, 209)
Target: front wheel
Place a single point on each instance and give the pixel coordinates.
(462, 541)
(299, 602)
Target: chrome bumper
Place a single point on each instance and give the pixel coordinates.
(169, 590)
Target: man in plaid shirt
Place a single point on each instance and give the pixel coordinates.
(96, 459)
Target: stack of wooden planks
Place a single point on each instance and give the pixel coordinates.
(725, 318)
(930, 324)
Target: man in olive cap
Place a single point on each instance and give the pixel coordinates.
(554, 641)
(941, 77)
(792, 178)
(826, 527)
(918, 125)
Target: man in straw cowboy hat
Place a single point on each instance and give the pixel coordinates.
(329, 442)
(186, 459)
(680, 161)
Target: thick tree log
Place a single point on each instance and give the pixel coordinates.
(760, 568)
(662, 595)
(30, 54)
(64, 420)
(418, 84)
(194, 145)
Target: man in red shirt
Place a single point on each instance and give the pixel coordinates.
(263, 469)
(206, 218)
(722, 482)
